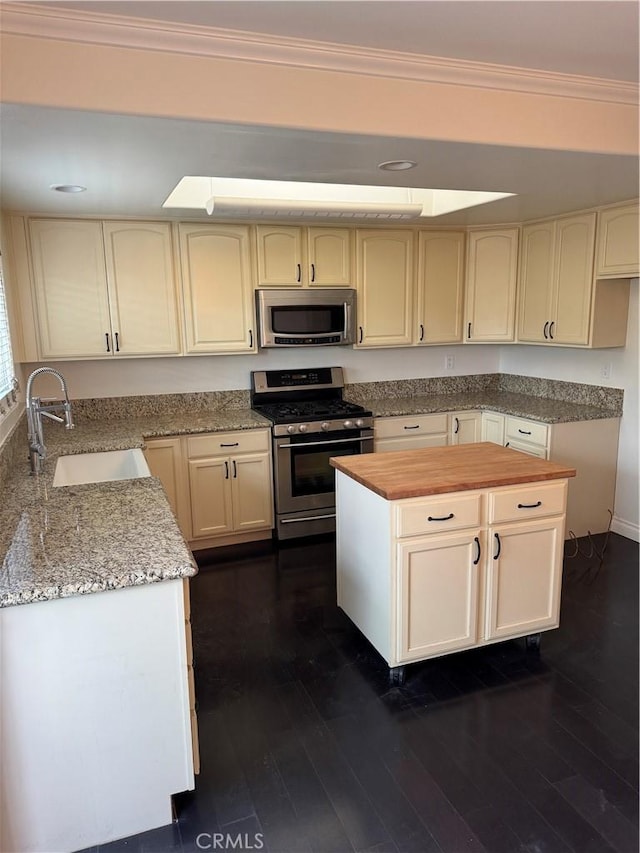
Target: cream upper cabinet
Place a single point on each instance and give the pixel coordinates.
(142, 289)
(384, 279)
(617, 252)
(536, 278)
(217, 288)
(70, 283)
(492, 258)
(293, 256)
(104, 289)
(330, 257)
(439, 287)
(556, 284)
(573, 275)
(280, 258)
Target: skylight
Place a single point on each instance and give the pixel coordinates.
(244, 196)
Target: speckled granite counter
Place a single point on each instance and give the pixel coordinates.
(520, 405)
(60, 542)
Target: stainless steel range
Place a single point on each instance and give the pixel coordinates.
(311, 423)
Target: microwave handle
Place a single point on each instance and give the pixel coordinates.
(347, 320)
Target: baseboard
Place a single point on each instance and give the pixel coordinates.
(626, 528)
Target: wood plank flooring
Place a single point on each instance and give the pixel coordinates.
(305, 747)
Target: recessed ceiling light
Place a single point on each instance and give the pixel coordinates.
(396, 165)
(67, 188)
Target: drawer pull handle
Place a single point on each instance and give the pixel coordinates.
(417, 426)
(233, 444)
(497, 554)
(530, 506)
(444, 518)
(524, 431)
(477, 559)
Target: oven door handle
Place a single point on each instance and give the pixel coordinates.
(325, 443)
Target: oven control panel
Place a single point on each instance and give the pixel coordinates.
(323, 426)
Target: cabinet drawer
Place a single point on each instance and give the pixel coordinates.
(227, 443)
(521, 502)
(437, 514)
(409, 425)
(531, 431)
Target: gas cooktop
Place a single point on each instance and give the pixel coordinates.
(310, 410)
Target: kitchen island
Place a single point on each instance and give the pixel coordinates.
(448, 548)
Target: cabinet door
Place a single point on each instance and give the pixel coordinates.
(573, 277)
(211, 504)
(218, 293)
(524, 576)
(252, 492)
(165, 460)
(330, 257)
(618, 242)
(536, 281)
(493, 427)
(438, 594)
(439, 287)
(384, 264)
(464, 427)
(491, 285)
(142, 291)
(279, 250)
(70, 288)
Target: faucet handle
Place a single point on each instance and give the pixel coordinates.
(51, 416)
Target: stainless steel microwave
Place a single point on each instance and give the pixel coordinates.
(306, 318)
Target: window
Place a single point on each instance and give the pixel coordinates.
(7, 376)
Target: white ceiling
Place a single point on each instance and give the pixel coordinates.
(130, 164)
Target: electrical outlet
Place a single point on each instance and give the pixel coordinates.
(605, 371)
(449, 362)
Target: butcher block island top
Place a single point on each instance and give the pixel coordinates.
(438, 470)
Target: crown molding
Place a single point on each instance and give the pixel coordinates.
(39, 21)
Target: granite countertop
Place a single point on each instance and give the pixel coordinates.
(519, 405)
(73, 540)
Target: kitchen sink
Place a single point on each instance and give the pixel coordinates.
(100, 467)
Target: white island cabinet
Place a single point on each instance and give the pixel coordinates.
(444, 549)
(96, 727)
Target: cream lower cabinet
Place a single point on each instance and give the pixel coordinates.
(464, 427)
(422, 577)
(230, 483)
(219, 485)
(591, 447)
(409, 432)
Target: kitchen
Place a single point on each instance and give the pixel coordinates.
(175, 375)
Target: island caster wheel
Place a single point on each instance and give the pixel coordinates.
(397, 675)
(532, 643)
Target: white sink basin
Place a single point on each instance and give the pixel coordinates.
(100, 467)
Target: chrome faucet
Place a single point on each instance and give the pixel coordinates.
(36, 410)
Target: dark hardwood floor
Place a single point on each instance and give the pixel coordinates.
(306, 747)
